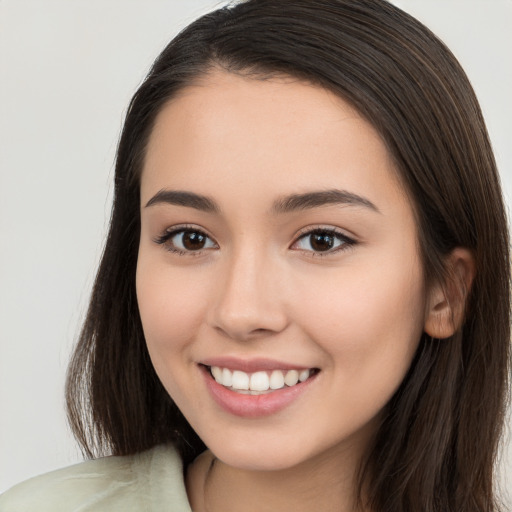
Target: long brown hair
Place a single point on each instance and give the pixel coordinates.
(436, 448)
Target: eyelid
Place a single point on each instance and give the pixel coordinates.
(348, 240)
(325, 227)
(170, 232)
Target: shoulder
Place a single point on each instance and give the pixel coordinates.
(150, 481)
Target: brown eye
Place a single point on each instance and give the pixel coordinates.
(193, 240)
(323, 241)
(186, 241)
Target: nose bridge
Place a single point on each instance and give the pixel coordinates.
(249, 300)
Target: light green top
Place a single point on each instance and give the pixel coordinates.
(151, 481)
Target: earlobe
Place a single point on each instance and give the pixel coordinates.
(446, 301)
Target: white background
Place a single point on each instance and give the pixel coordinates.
(67, 71)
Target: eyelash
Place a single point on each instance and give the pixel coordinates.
(166, 237)
(346, 242)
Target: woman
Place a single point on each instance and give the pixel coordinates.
(306, 273)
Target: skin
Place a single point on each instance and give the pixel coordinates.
(258, 289)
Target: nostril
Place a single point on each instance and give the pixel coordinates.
(244, 311)
(238, 333)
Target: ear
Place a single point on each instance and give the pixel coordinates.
(446, 302)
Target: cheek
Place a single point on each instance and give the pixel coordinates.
(368, 320)
(171, 307)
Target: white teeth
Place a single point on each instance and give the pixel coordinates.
(240, 380)
(227, 378)
(258, 382)
(303, 375)
(276, 379)
(217, 374)
(291, 378)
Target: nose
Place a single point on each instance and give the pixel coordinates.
(250, 300)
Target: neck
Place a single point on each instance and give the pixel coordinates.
(326, 482)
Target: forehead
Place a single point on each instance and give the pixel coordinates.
(278, 135)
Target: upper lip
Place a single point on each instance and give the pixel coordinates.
(251, 365)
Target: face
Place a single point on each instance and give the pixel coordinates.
(279, 281)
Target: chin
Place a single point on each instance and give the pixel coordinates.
(274, 454)
(258, 460)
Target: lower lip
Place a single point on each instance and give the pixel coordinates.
(254, 406)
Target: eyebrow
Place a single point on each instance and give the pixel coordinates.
(181, 198)
(309, 200)
(287, 204)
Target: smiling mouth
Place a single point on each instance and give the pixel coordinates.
(260, 382)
